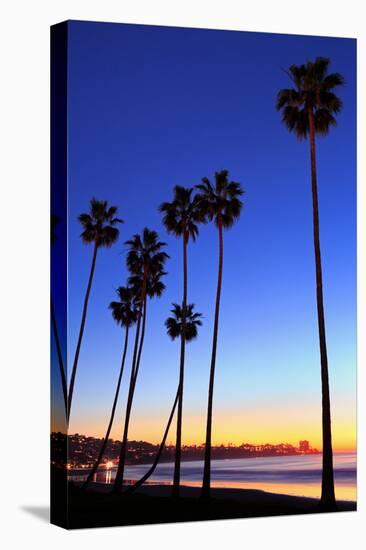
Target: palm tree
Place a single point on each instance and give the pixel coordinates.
(174, 329)
(309, 108)
(124, 312)
(187, 322)
(98, 228)
(181, 217)
(54, 221)
(221, 203)
(145, 261)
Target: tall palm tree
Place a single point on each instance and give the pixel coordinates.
(174, 329)
(309, 108)
(99, 229)
(54, 221)
(221, 203)
(181, 218)
(124, 312)
(145, 261)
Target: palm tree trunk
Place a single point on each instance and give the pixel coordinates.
(327, 495)
(118, 482)
(59, 355)
(106, 437)
(178, 445)
(160, 450)
(137, 366)
(207, 464)
(81, 332)
(122, 462)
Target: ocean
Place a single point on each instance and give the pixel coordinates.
(293, 475)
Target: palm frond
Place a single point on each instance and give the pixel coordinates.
(328, 100)
(296, 120)
(108, 236)
(323, 120)
(288, 96)
(332, 81)
(173, 328)
(85, 219)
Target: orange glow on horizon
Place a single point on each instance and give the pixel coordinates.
(258, 430)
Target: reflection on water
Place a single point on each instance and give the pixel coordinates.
(295, 475)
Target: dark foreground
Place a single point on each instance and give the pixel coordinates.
(97, 507)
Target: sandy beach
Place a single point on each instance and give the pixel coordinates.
(239, 495)
(97, 507)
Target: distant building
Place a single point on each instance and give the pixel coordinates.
(304, 446)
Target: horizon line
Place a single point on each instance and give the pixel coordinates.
(202, 444)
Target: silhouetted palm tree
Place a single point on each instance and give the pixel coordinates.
(174, 329)
(187, 322)
(145, 261)
(54, 221)
(98, 228)
(181, 217)
(307, 109)
(124, 312)
(221, 203)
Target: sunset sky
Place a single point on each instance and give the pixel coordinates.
(151, 107)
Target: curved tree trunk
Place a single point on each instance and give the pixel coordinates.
(106, 437)
(81, 332)
(160, 450)
(178, 445)
(118, 482)
(207, 461)
(59, 355)
(327, 495)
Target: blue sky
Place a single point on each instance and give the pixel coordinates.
(151, 107)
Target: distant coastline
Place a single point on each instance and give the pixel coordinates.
(185, 458)
(83, 451)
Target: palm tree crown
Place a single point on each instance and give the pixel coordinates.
(145, 253)
(220, 202)
(182, 215)
(313, 90)
(154, 286)
(174, 325)
(125, 310)
(99, 224)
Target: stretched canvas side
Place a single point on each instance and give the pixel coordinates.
(58, 298)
